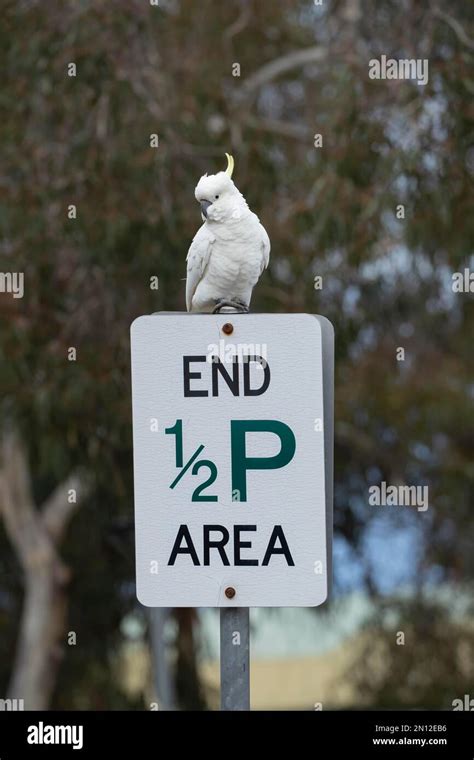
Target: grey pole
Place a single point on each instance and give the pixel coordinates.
(235, 658)
(235, 641)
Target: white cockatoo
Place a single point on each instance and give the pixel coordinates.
(230, 250)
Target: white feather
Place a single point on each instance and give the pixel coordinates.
(230, 250)
(197, 258)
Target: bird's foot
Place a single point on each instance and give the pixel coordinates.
(222, 303)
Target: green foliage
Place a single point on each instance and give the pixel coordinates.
(424, 658)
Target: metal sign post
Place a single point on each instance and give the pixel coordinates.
(235, 658)
(234, 645)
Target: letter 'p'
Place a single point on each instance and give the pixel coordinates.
(241, 462)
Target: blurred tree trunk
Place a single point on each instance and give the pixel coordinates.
(162, 672)
(188, 687)
(35, 535)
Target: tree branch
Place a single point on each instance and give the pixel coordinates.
(33, 533)
(16, 501)
(57, 510)
(36, 536)
(240, 23)
(278, 127)
(455, 26)
(279, 66)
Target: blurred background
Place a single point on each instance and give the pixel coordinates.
(97, 201)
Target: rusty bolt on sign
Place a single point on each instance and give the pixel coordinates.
(228, 329)
(230, 592)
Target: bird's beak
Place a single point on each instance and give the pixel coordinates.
(204, 206)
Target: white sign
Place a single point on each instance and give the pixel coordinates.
(232, 427)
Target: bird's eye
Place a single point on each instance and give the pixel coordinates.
(216, 197)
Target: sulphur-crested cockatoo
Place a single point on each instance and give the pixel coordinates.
(230, 250)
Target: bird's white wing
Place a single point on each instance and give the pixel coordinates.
(197, 258)
(265, 248)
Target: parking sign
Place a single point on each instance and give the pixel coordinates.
(233, 428)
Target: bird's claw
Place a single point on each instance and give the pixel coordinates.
(238, 305)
